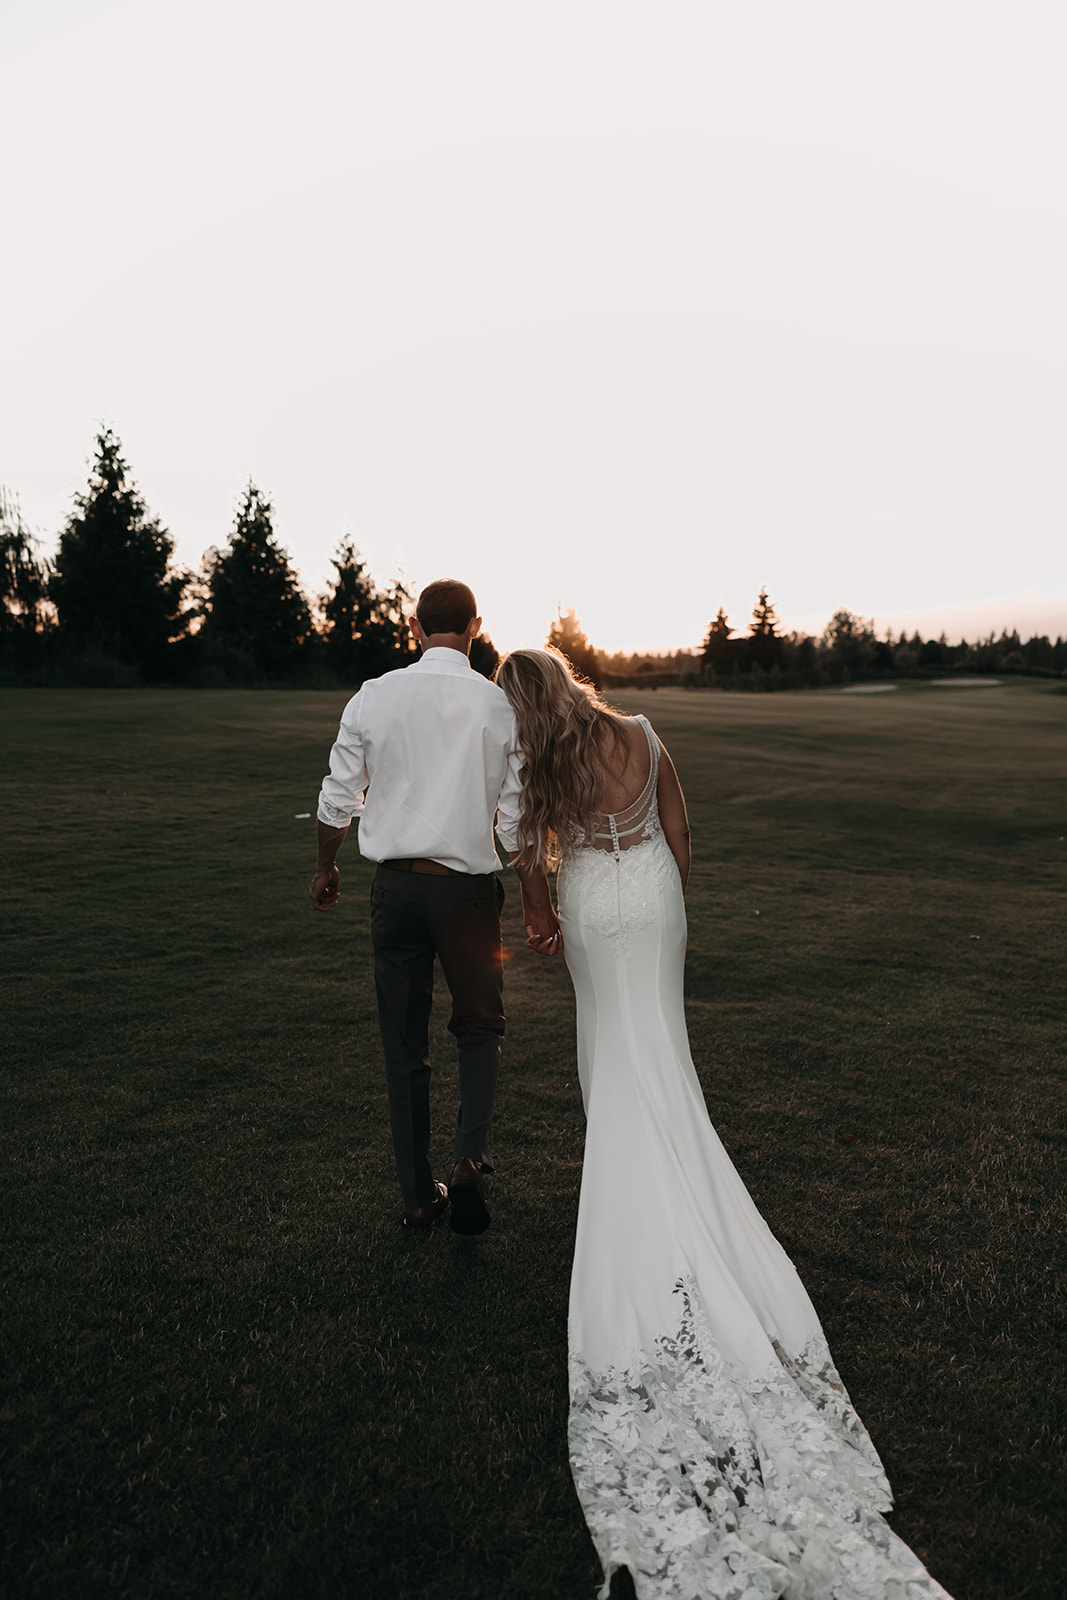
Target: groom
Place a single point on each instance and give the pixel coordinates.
(426, 757)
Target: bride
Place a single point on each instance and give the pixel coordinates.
(714, 1449)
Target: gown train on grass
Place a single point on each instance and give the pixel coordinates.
(714, 1449)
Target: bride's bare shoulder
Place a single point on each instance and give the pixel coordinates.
(628, 727)
(619, 733)
(624, 761)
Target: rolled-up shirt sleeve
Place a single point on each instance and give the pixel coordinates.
(343, 787)
(507, 807)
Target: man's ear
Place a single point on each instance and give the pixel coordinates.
(416, 631)
(474, 627)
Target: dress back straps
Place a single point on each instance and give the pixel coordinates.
(621, 830)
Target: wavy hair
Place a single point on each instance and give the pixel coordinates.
(561, 721)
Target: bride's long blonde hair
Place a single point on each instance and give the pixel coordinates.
(561, 722)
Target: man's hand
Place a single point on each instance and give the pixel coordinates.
(325, 888)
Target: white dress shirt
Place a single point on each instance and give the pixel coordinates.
(426, 756)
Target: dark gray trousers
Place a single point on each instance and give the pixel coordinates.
(417, 919)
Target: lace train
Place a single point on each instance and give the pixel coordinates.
(713, 1447)
(712, 1483)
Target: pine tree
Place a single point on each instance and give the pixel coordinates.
(717, 643)
(366, 630)
(764, 645)
(255, 604)
(112, 583)
(567, 636)
(350, 611)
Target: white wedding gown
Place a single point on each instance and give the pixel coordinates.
(713, 1447)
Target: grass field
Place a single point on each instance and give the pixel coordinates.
(227, 1371)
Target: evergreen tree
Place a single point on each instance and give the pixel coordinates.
(350, 612)
(112, 583)
(23, 583)
(764, 645)
(255, 604)
(366, 629)
(567, 636)
(718, 646)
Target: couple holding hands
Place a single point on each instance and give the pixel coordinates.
(714, 1449)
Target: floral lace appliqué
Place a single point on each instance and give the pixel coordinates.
(712, 1483)
(618, 895)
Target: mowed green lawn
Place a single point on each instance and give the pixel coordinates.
(226, 1369)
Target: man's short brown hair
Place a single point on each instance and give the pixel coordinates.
(445, 607)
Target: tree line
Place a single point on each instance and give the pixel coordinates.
(112, 608)
(763, 657)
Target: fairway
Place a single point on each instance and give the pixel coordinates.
(227, 1371)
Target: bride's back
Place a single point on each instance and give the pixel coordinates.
(624, 762)
(627, 762)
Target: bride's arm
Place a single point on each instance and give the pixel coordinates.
(543, 932)
(672, 814)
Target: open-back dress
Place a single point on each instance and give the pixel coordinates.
(714, 1449)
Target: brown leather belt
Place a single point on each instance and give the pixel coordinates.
(421, 864)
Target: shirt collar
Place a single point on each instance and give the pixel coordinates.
(443, 659)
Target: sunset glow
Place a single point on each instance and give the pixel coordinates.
(629, 308)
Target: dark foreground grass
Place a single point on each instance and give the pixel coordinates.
(227, 1372)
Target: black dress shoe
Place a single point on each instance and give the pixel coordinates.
(426, 1216)
(469, 1213)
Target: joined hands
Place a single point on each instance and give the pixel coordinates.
(546, 944)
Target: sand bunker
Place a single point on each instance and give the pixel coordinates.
(965, 683)
(932, 683)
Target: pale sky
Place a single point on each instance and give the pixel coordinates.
(633, 307)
